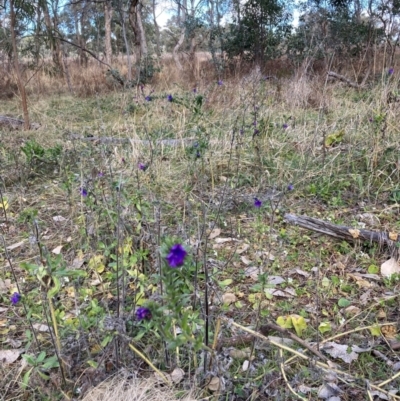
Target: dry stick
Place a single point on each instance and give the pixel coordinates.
(389, 380)
(346, 333)
(271, 326)
(305, 357)
(282, 367)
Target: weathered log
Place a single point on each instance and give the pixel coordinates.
(344, 79)
(145, 142)
(389, 239)
(15, 123)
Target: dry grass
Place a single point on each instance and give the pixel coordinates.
(124, 389)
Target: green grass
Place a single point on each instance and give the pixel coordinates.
(115, 239)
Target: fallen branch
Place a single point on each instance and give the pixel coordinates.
(145, 142)
(344, 79)
(390, 239)
(15, 123)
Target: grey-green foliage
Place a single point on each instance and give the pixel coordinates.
(322, 32)
(258, 29)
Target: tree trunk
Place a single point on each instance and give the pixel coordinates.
(143, 42)
(122, 16)
(107, 39)
(54, 43)
(157, 31)
(135, 20)
(182, 35)
(21, 86)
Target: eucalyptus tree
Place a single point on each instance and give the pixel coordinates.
(259, 29)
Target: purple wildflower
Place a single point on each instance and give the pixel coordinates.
(370, 119)
(290, 187)
(170, 98)
(100, 174)
(148, 98)
(256, 132)
(143, 313)
(142, 166)
(391, 71)
(220, 83)
(257, 203)
(83, 191)
(15, 298)
(255, 123)
(176, 256)
(241, 131)
(198, 154)
(194, 90)
(284, 126)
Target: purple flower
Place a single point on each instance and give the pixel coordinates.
(220, 83)
(15, 298)
(198, 154)
(255, 123)
(101, 174)
(284, 126)
(257, 203)
(370, 119)
(148, 98)
(83, 191)
(170, 98)
(241, 131)
(290, 187)
(194, 90)
(142, 166)
(256, 132)
(391, 71)
(176, 256)
(143, 313)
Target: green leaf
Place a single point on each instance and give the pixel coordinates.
(334, 138)
(51, 362)
(106, 340)
(324, 327)
(284, 322)
(54, 291)
(25, 379)
(41, 357)
(325, 282)
(344, 303)
(43, 375)
(373, 269)
(375, 331)
(29, 358)
(299, 324)
(93, 364)
(225, 283)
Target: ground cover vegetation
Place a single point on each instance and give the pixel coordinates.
(146, 244)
